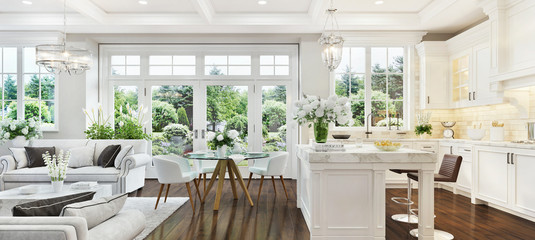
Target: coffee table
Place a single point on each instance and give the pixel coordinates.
(12, 197)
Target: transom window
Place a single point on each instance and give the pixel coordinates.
(125, 65)
(172, 65)
(274, 65)
(377, 89)
(227, 65)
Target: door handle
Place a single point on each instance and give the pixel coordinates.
(196, 133)
(474, 95)
(203, 133)
(512, 162)
(508, 155)
(451, 149)
(427, 99)
(470, 96)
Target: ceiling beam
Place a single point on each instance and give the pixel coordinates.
(434, 8)
(205, 9)
(88, 9)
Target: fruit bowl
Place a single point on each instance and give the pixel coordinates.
(476, 134)
(448, 124)
(387, 146)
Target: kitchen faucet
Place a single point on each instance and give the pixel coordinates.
(370, 117)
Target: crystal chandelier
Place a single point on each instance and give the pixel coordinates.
(57, 58)
(331, 41)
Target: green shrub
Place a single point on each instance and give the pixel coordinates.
(96, 131)
(282, 133)
(174, 130)
(31, 109)
(238, 123)
(162, 115)
(274, 114)
(182, 116)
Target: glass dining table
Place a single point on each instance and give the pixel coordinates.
(224, 164)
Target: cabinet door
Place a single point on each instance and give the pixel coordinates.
(524, 194)
(492, 175)
(464, 180)
(481, 92)
(435, 84)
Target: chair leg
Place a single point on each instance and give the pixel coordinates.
(190, 198)
(159, 195)
(273, 181)
(284, 186)
(249, 182)
(260, 188)
(197, 187)
(166, 193)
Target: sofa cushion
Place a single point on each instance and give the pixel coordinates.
(40, 174)
(108, 155)
(130, 222)
(125, 151)
(139, 146)
(81, 157)
(95, 211)
(51, 206)
(35, 155)
(19, 154)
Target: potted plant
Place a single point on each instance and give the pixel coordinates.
(222, 140)
(100, 127)
(19, 131)
(423, 124)
(57, 168)
(131, 124)
(321, 112)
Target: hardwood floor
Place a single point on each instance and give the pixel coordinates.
(274, 217)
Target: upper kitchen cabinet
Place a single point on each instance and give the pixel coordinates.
(434, 75)
(512, 35)
(469, 69)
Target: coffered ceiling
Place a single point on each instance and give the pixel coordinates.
(237, 16)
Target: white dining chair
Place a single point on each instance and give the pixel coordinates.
(204, 167)
(274, 165)
(173, 169)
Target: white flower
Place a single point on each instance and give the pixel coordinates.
(233, 134)
(210, 136)
(12, 127)
(320, 112)
(121, 124)
(307, 108)
(301, 114)
(333, 98)
(6, 135)
(337, 109)
(220, 137)
(32, 123)
(25, 130)
(330, 103)
(343, 100)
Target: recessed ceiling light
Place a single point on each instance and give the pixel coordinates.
(27, 2)
(379, 2)
(142, 2)
(262, 2)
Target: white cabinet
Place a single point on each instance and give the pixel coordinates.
(464, 180)
(434, 75)
(504, 176)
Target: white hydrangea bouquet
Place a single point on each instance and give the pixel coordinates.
(321, 112)
(57, 165)
(219, 139)
(29, 129)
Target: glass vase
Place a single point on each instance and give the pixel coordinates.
(222, 151)
(321, 131)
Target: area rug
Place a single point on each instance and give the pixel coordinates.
(153, 217)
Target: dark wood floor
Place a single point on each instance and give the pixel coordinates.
(274, 217)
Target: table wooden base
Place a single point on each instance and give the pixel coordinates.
(220, 170)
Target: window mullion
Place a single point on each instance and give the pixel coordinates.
(368, 86)
(20, 85)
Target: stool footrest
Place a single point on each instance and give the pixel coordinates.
(402, 200)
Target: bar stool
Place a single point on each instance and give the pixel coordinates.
(449, 171)
(409, 217)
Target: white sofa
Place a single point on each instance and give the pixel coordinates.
(128, 177)
(126, 225)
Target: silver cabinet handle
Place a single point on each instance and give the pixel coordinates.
(473, 95)
(470, 96)
(508, 154)
(512, 162)
(203, 133)
(467, 150)
(196, 133)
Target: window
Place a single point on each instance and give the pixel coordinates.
(377, 89)
(38, 97)
(172, 65)
(227, 65)
(274, 65)
(125, 65)
(8, 72)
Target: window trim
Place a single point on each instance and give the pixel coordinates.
(407, 56)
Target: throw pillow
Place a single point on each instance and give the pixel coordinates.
(125, 151)
(51, 206)
(20, 157)
(35, 155)
(95, 211)
(108, 155)
(81, 157)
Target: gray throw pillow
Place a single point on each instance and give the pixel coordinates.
(35, 155)
(51, 206)
(108, 155)
(81, 157)
(20, 157)
(96, 211)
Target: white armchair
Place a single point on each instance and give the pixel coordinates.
(173, 169)
(204, 167)
(274, 165)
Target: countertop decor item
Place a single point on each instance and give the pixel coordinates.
(387, 145)
(448, 132)
(476, 134)
(221, 140)
(423, 124)
(321, 112)
(19, 131)
(57, 168)
(341, 136)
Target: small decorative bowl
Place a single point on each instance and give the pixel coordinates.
(448, 124)
(341, 136)
(388, 148)
(476, 134)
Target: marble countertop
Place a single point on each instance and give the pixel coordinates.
(454, 141)
(366, 154)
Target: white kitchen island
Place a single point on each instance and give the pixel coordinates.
(342, 194)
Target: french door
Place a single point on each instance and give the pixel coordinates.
(184, 111)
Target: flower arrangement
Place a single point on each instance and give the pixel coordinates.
(30, 129)
(312, 109)
(131, 124)
(423, 124)
(57, 165)
(100, 127)
(219, 139)
(321, 112)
